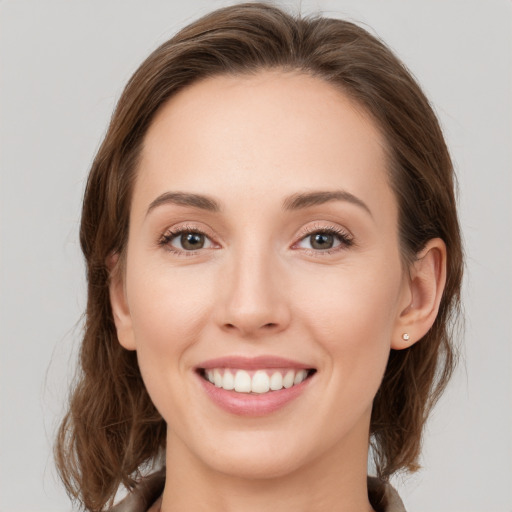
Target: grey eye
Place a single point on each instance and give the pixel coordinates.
(322, 241)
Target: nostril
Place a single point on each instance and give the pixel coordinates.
(270, 325)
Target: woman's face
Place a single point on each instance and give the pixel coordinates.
(263, 249)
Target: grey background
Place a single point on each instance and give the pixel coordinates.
(63, 65)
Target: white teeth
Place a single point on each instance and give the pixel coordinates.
(229, 381)
(276, 381)
(299, 377)
(262, 381)
(242, 382)
(288, 379)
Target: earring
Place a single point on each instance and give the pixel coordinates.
(405, 336)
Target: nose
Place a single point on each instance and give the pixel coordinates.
(254, 301)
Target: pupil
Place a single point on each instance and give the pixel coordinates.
(192, 241)
(322, 241)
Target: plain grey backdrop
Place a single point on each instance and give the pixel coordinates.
(63, 65)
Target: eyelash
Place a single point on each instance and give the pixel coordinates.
(346, 240)
(166, 239)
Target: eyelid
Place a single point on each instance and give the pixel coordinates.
(319, 226)
(173, 231)
(344, 236)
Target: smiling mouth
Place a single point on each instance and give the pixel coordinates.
(258, 381)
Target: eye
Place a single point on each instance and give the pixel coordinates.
(186, 240)
(190, 241)
(322, 241)
(325, 240)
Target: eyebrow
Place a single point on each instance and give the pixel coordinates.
(308, 199)
(185, 199)
(293, 202)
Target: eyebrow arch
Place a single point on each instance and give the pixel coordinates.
(185, 199)
(308, 199)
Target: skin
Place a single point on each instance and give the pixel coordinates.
(258, 287)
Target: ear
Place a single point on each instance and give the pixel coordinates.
(119, 303)
(422, 295)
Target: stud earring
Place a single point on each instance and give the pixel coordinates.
(405, 336)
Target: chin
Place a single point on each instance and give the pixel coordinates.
(252, 455)
(257, 464)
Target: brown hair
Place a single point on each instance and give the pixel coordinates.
(112, 427)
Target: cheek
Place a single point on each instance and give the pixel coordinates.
(167, 307)
(351, 313)
(350, 299)
(168, 312)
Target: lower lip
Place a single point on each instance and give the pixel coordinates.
(252, 404)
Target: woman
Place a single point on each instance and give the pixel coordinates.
(274, 263)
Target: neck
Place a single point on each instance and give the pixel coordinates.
(332, 482)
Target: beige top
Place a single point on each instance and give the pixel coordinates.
(146, 497)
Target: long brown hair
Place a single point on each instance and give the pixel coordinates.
(112, 427)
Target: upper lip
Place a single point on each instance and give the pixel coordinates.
(252, 363)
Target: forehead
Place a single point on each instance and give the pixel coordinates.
(239, 133)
